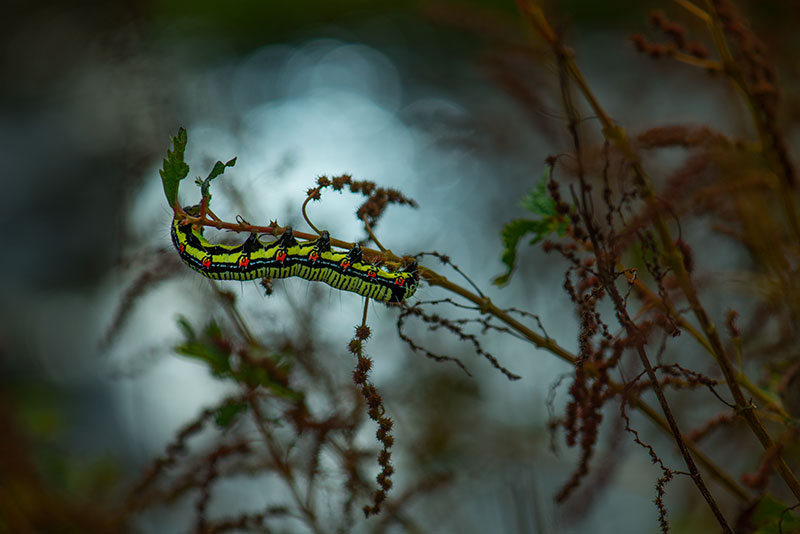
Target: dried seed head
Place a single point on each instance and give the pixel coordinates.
(354, 346)
(363, 332)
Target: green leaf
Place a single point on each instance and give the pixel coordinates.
(213, 348)
(188, 331)
(212, 330)
(538, 201)
(771, 517)
(209, 348)
(219, 168)
(263, 375)
(227, 413)
(217, 360)
(511, 234)
(175, 168)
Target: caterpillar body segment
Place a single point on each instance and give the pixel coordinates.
(285, 257)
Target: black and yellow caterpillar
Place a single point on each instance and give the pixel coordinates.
(312, 260)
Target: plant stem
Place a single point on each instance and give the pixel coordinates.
(768, 149)
(282, 467)
(368, 228)
(673, 257)
(310, 195)
(770, 403)
(606, 272)
(490, 308)
(551, 346)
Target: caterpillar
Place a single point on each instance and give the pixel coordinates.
(285, 257)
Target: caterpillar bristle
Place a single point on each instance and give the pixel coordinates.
(287, 239)
(324, 242)
(355, 255)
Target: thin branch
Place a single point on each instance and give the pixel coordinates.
(314, 193)
(368, 228)
(672, 255)
(488, 307)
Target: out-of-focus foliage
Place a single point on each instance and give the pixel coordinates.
(539, 202)
(293, 418)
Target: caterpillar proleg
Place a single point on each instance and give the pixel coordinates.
(285, 257)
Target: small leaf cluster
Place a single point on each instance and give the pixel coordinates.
(549, 220)
(224, 360)
(773, 517)
(175, 169)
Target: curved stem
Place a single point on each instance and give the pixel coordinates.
(311, 194)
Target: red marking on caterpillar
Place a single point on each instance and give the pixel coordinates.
(313, 260)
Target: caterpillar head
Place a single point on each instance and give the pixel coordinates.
(412, 268)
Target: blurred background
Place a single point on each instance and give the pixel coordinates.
(455, 104)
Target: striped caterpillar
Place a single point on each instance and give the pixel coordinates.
(312, 260)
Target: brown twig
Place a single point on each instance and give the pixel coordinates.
(487, 306)
(672, 255)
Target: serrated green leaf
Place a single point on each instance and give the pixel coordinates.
(174, 168)
(511, 234)
(771, 517)
(227, 414)
(538, 201)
